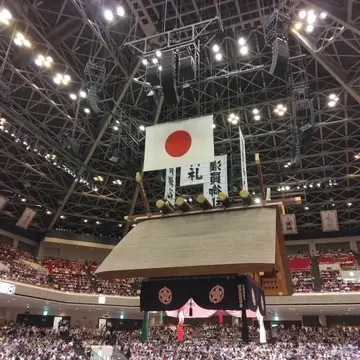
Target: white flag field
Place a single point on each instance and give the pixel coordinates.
(179, 143)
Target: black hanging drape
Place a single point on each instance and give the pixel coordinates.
(213, 293)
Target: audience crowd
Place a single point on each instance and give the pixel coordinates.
(70, 276)
(18, 342)
(58, 274)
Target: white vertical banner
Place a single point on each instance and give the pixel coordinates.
(244, 181)
(26, 218)
(329, 220)
(218, 180)
(170, 185)
(288, 223)
(194, 174)
(3, 201)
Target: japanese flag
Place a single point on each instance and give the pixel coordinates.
(181, 143)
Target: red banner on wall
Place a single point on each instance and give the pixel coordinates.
(299, 264)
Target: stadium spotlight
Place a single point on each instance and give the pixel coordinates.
(108, 15)
(216, 48)
(333, 99)
(298, 25)
(309, 28)
(73, 96)
(302, 14)
(255, 111)
(145, 62)
(62, 79)
(20, 40)
(280, 110)
(257, 117)
(142, 128)
(311, 17)
(218, 56)
(323, 15)
(117, 182)
(244, 50)
(82, 94)
(233, 119)
(154, 60)
(120, 11)
(158, 53)
(43, 61)
(242, 41)
(5, 16)
(213, 126)
(87, 111)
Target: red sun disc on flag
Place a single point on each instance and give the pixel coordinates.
(178, 143)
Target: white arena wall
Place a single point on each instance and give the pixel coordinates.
(132, 303)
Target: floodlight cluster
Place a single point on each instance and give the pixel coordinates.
(23, 139)
(43, 61)
(117, 182)
(5, 16)
(20, 40)
(244, 50)
(154, 59)
(109, 15)
(218, 54)
(307, 20)
(332, 100)
(256, 114)
(62, 79)
(307, 185)
(280, 109)
(233, 119)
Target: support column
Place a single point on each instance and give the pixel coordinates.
(41, 251)
(15, 243)
(152, 320)
(234, 321)
(322, 320)
(312, 249)
(353, 246)
(244, 326)
(315, 271)
(262, 331)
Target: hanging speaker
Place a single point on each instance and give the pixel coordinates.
(280, 57)
(168, 76)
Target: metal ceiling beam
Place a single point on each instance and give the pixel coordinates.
(104, 126)
(341, 14)
(328, 64)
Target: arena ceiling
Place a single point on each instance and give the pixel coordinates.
(78, 169)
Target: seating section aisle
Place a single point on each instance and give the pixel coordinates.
(116, 287)
(70, 276)
(334, 263)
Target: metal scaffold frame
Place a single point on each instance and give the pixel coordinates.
(97, 184)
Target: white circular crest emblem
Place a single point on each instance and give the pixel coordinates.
(165, 295)
(253, 298)
(216, 294)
